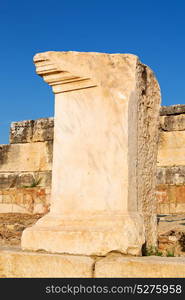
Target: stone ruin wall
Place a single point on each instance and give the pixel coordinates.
(25, 177)
(26, 163)
(171, 161)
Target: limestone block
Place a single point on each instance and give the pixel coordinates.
(40, 130)
(171, 148)
(171, 242)
(171, 198)
(161, 175)
(43, 130)
(105, 150)
(21, 132)
(28, 179)
(180, 208)
(34, 200)
(172, 110)
(17, 264)
(165, 208)
(173, 122)
(5, 207)
(4, 149)
(180, 194)
(171, 223)
(26, 157)
(172, 208)
(12, 208)
(7, 179)
(171, 175)
(22, 179)
(115, 266)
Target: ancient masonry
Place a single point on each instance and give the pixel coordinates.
(86, 190)
(25, 183)
(171, 161)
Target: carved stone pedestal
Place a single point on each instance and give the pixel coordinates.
(105, 148)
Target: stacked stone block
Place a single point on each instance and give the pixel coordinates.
(171, 160)
(25, 177)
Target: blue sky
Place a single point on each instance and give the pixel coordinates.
(152, 29)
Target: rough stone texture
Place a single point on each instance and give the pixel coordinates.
(171, 222)
(43, 130)
(170, 191)
(25, 177)
(97, 197)
(27, 200)
(171, 148)
(171, 161)
(171, 199)
(32, 131)
(171, 175)
(171, 234)
(116, 265)
(4, 149)
(169, 243)
(148, 119)
(172, 123)
(26, 157)
(12, 226)
(21, 132)
(22, 179)
(17, 264)
(172, 110)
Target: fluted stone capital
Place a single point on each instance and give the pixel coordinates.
(58, 75)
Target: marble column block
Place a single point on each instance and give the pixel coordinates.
(104, 158)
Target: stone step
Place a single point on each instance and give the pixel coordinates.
(115, 266)
(19, 264)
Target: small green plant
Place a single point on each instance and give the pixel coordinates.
(170, 253)
(35, 183)
(153, 251)
(150, 251)
(158, 253)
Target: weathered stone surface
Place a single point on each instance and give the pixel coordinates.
(17, 264)
(106, 127)
(32, 131)
(148, 120)
(171, 199)
(27, 200)
(4, 149)
(172, 123)
(22, 179)
(172, 222)
(7, 180)
(171, 175)
(172, 243)
(171, 148)
(171, 234)
(26, 157)
(43, 130)
(21, 132)
(12, 225)
(172, 110)
(116, 265)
